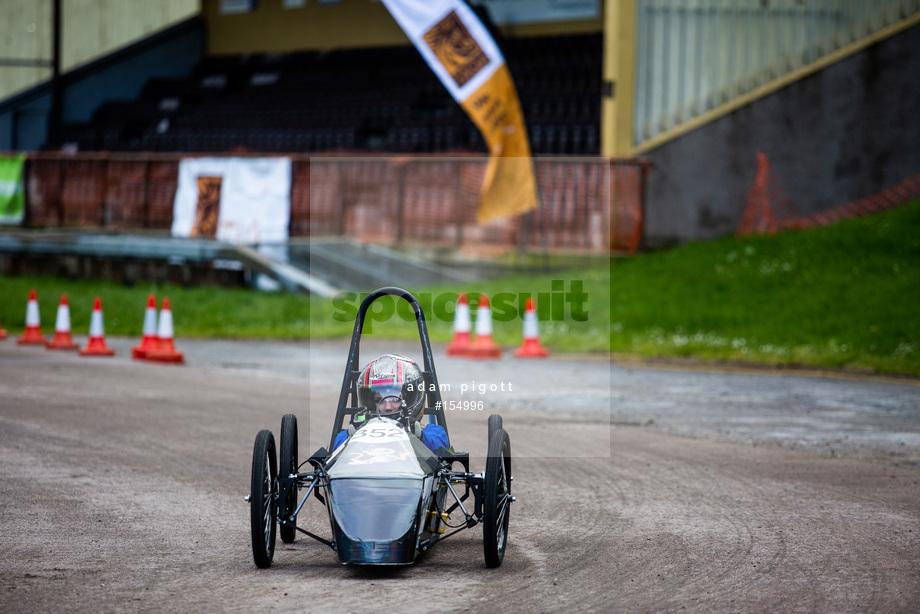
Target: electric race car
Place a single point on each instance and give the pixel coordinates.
(387, 495)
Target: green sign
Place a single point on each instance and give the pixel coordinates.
(12, 194)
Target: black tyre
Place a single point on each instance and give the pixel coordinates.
(263, 510)
(288, 465)
(495, 423)
(496, 504)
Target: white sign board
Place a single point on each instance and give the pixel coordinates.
(251, 199)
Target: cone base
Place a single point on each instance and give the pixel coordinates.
(139, 352)
(168, 356)
(484, 348)
(97, 352)
(531, 348)
(165, 352)
(460, 346)
(458, 350)
(3, 334)
(97, 347)
(62, 341)
(32, 338)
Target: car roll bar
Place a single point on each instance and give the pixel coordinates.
(434, 406)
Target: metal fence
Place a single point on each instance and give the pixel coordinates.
(588, 205)
(99, 190)
(695, 55)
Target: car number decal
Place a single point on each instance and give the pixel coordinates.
(379, 433)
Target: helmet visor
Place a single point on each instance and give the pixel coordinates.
(388, 406)
(386, 396)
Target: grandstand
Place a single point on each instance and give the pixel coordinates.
(360, 100)
(676, 99)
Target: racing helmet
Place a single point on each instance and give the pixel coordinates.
(392, 378)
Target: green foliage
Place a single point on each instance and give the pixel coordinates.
(846, 295)
(197, 312)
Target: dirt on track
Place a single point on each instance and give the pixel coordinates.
(123, 482)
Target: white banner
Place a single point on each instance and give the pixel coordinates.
(418, 19)
(238, 200)
(460, 51)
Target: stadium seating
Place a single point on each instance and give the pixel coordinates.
(357, 100)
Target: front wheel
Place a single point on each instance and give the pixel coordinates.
(263, 509)
(288, 465)
(495, 423)
(496, 505)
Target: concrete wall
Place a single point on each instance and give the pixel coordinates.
(173, 56)
(837, 136)
(121, 76)
(24, 125)
(91, 29)
(272, 28)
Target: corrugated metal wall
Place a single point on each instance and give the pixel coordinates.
(25, 36)
(695, 55)
(92, 29)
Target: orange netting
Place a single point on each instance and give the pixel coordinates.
(768, 209)
(96, 191)
(588, 205)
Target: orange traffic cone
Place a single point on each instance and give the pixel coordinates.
(461, 343)
(531, 348)
(33, 333)
(165, 350)
(483, 346)
(149, 340)
(96, 345)
(3, 333)
(62, 340)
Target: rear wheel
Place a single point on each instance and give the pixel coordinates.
(288, 465)
(496, 505)
(263, 511)
(495, 423)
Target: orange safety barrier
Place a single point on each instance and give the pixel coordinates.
(587, 205)
(768, 209)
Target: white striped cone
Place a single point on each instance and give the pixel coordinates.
(149, 339)
(62, 339)
(483, 346)
(96, 345)
(165, 350)
(530, 347)
(33, 332)
(165, 323)
(462, 325)
(463, 322)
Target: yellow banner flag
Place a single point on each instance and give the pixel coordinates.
(461, 52)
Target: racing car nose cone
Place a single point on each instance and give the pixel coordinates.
(375, 520)
(399, 552)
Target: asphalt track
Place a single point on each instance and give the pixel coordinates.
(639, 489)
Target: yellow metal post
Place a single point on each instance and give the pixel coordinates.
(619, 77)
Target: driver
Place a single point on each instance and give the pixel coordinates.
(393, 386)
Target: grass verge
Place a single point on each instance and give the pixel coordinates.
(842, 296)
(846, 295)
